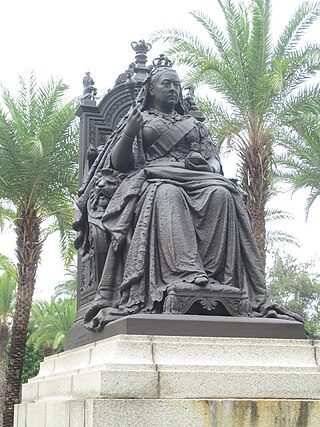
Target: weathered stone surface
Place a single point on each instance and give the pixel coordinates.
(264, 413)
(161, 381)
(128, 366)
(171, 412)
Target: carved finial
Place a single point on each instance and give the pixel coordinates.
(141, 46)
(190, 104)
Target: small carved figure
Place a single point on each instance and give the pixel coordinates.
(171, 223)
(89, 91)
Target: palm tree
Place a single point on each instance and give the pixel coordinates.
(7, 296)
(67, 288)
(38, 168)
(39, 311)
(52, 320)
(259, 86)
(276, 236)
(302, 161)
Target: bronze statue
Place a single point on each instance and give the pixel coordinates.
(163, 219)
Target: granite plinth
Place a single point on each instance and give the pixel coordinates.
(189, 325)
(169, 413)
(141, 380)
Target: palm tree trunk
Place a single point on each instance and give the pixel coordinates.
(255, 181)
(28, 252)
(4, 330)
(47, 350)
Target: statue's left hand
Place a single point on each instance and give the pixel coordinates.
(195, 161)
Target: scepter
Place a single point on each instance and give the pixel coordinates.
(131, 85)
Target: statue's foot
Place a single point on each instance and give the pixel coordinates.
(201, 281)
(103, 317)
(97, 304)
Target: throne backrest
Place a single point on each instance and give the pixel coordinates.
(98, 120)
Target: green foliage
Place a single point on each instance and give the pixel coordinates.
(31, 364)
(7, 295)
(256, 80)
(8, 285)
(7, 266)
(38, 179)
(302, 161)
(259, 87)
(39, 155)
(68, 288)
(295, 286)
(6, 215)
(51, 322)
(32, 360)
(275, 236)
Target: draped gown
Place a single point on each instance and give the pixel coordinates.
(169, 224)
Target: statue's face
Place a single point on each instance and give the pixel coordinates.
(166, 88)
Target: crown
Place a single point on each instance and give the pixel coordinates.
(141, 46)
(162, 61)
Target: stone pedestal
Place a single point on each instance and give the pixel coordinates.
(145, 381)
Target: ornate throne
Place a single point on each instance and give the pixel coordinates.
(97, 122)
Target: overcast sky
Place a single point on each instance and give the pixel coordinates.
(66, 38)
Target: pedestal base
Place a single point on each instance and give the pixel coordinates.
(139, 381)
(189, 325)
(169, 413)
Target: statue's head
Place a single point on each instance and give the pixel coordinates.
(161, 74)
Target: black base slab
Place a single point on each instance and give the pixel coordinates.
(190, 325)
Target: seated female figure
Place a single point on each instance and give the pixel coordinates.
(174, 218)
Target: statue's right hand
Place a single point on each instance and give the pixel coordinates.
(134, 123)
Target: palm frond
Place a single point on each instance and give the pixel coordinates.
(8, 266)
(314, 194)
(62, 223)
(306, 14)
(218, 37)
(306, 100)
(52, 321)
(302, 160)
(280, 236)
(296, 69)
(185, 46)
(260, 43)
(45, 152)
(221, 124)
(7, 294)
(277, 214)
(238, 30)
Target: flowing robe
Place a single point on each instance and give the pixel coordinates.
(169, 224)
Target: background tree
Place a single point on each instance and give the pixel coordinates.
(7, 296)
(68, 288)
(259, 87)
(275, 236)
(32, 360)
(295, 286)
(51, 323)
(38, 168)
(302, 161)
